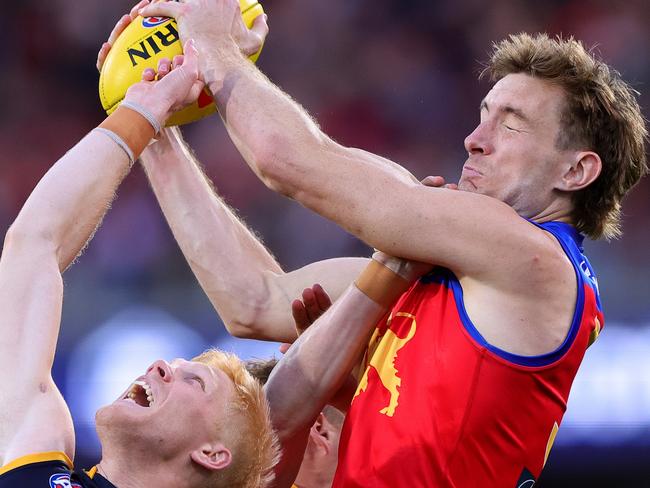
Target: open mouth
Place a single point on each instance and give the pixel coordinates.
(140, 393)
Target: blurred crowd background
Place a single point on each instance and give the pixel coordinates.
(396, 77)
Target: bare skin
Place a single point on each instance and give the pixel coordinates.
(245, 283)
(505, 264)
(54, 225)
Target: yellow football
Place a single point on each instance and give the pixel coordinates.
(142, 44)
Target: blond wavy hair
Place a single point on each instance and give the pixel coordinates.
(248, 433)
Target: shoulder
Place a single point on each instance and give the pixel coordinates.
(530, 257)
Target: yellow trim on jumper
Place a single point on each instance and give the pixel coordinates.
(92, 472)
(40, 457)
(551, 440)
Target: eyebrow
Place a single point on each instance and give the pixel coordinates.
(508, 109)
(201, 371)
(208, 372)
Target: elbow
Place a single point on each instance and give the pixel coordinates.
(242, 330)
(247, 321)
(283, 162)
(273, 160)
(28, 239)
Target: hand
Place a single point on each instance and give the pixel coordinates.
(211, 23)
(412, 270)
(172, 91)
(315, 301)
(117, 30)
(438, 182)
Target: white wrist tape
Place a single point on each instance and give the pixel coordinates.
(145, 112)
(118, 140)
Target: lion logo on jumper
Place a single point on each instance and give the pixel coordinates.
(386, 345)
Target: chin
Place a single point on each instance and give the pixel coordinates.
(118, 416)
(467, 185)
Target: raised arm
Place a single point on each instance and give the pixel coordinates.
(55, 223)
(316, 365)
(242, 279)
(371, 197)
(246, 285)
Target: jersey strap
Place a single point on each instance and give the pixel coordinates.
(571, 241)
(41, 457)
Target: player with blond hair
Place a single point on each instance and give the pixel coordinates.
(467, 380)
(176, 425)
(199, 423)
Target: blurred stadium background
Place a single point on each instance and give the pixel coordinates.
(394, 77)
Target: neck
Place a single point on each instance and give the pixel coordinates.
(558, 211)
(130, 472)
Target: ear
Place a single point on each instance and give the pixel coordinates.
(212, 457)
(583, 171)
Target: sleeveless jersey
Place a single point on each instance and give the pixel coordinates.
(440, 407)
(49, 470)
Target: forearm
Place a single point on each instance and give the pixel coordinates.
(231, 264)
(319, 362)
(68, 203)
(276, 136)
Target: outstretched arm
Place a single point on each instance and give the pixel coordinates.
(244, 282)
(317, 364)
(242, 279)
(371, 197)
(55, 223)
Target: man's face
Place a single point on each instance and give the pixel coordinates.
(172, 409)
(512, 152)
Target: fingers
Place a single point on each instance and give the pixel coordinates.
(124, 21)
(122, 24)
(300, 316)
(438, 182)
(434, 181)
(177, 61)
(315, 302)
(148, 75)
(311, 305)
(101, 55)
(188, 73)
(164, 67)
(323, 299)
(191, 57)
(255, 38)
(260, 27)
(162, 9)
(135, 10)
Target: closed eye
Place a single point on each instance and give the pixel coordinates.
(199, 380)
(511, 128)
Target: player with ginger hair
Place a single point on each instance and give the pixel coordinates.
(171, 427)
(199, 423)
(467, 380)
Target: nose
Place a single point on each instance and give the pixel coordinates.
(162, 369)
(478, 142)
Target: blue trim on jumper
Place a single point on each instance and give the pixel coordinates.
(571, 242)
